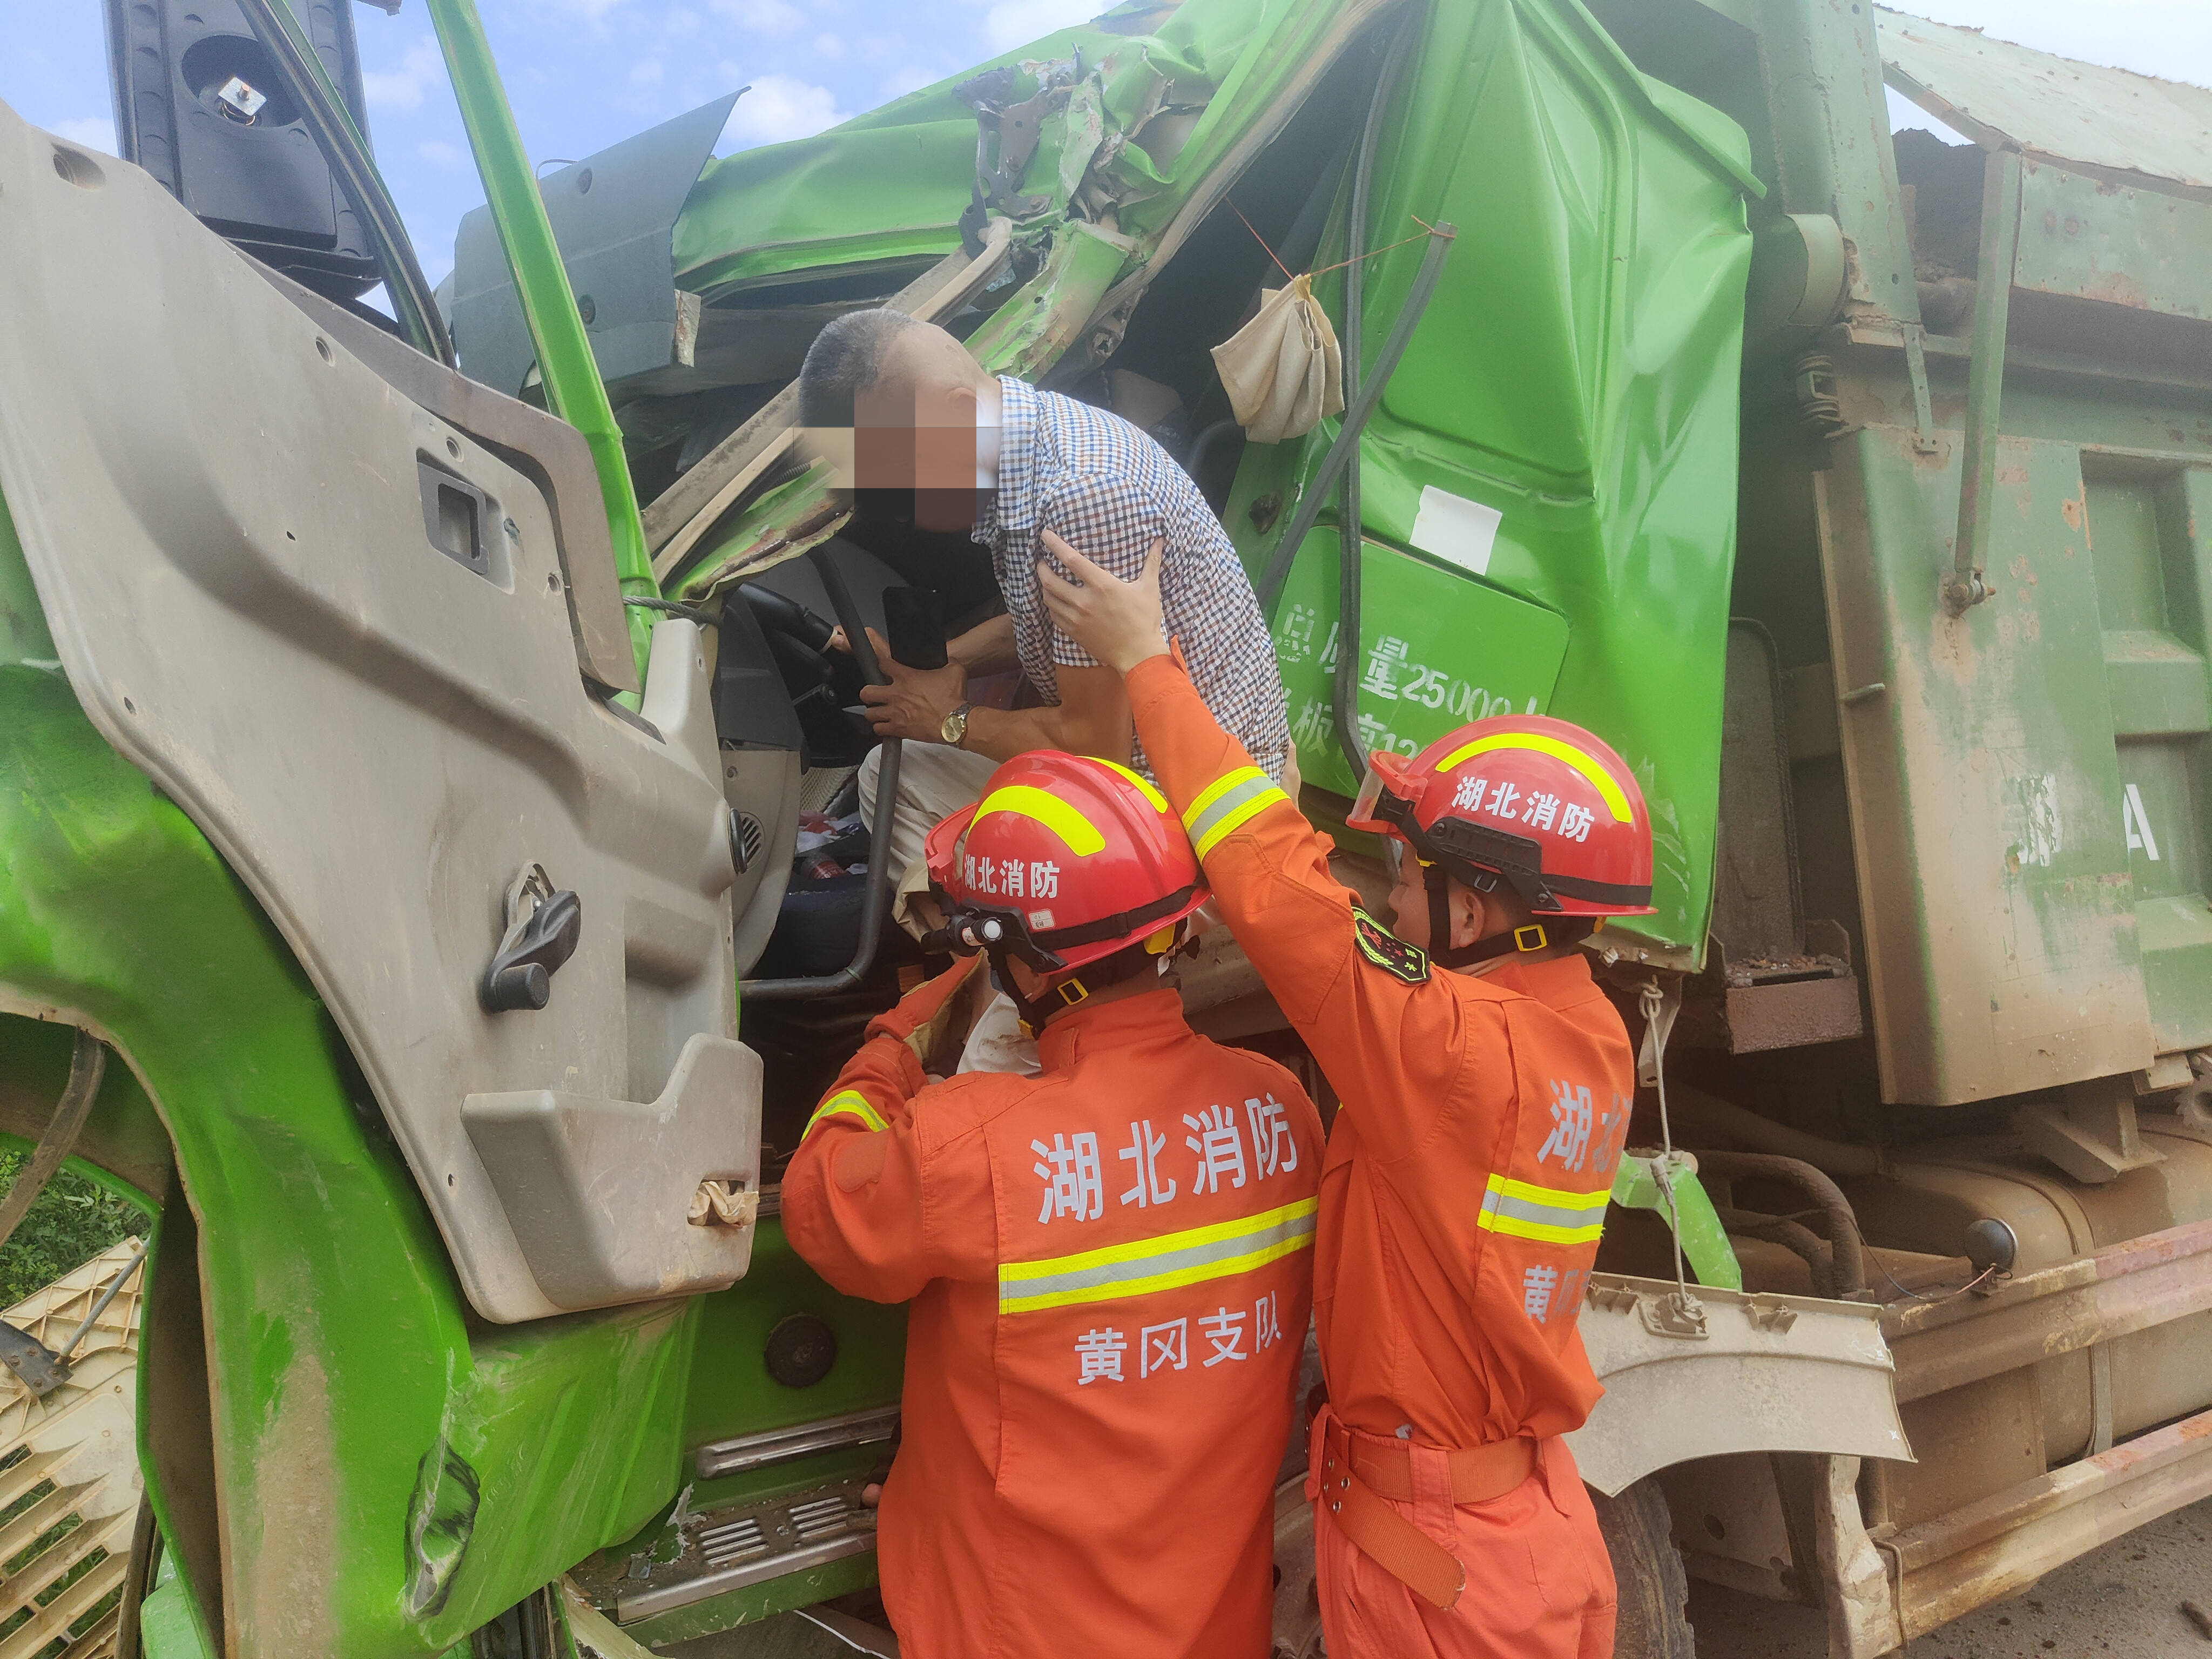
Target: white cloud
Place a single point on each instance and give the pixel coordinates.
(773, 18)
(780, 109)
(440, 154)
(830, 45)
(645, 72)
(402, 88)
(1017, 23)
(93, 131)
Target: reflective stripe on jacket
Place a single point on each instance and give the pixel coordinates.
(1110, 1265)
(1466, 1180)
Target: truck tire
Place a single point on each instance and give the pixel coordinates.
(1653, 1622)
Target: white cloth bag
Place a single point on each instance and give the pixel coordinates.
(1284, 371)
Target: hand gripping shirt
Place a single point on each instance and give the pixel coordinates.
(1468, 1170)
(1109, 1265)
(1108, 490)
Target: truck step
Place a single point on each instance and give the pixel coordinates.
(744, 1544)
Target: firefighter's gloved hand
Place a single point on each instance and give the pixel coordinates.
(935, 1013)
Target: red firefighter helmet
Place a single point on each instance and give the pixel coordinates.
(1536, 801)
(1064, 862)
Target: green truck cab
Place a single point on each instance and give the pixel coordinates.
(405, 727)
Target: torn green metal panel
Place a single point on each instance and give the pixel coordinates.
(891, 184)
(1575, 378)
(1638, 1185)
(1040, 321)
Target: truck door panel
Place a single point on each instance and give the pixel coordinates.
(223, 508)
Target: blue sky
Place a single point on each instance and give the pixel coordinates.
(579, 73)
(584, 73)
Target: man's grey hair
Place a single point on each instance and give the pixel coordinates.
(846, 359)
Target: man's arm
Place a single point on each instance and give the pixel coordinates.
(986, 648)
(1366, 1012)
(1115, 525)
(856, 1207)
(1091, 718)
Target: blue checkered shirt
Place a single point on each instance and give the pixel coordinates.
(1110, 492)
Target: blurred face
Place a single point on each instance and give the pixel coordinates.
(915, 429)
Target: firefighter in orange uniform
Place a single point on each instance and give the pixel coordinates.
(1110, 1262)
(1486, 1084)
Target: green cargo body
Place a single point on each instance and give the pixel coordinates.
(2026, 778)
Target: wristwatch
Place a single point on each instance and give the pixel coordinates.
(954, 731)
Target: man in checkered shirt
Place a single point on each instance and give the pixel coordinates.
(993, 452)
(1096, 481)
(995, 455)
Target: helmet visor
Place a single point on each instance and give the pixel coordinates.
(940, 848)
(1384, 798)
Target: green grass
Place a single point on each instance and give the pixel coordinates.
(72, 1222)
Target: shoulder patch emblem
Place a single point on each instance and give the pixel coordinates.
(1387, 950)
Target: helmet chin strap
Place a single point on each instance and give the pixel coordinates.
(1073, 990)
(1536, 936)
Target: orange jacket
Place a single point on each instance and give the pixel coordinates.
(1110, 1266)
(1466, 1174)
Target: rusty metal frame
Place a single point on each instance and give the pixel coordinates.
(2152, 1280)
(1985, 1550)
(1964, 587)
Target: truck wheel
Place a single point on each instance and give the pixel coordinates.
(1648, 1568)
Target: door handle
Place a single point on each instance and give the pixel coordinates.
(543, 926)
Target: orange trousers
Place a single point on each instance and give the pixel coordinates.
(1539, 1580)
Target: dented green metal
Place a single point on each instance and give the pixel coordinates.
(1667, 1185)
(445, 1467)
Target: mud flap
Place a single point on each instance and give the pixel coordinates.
(1764, 1373)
